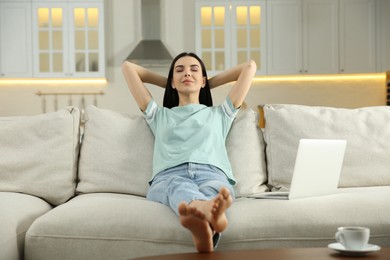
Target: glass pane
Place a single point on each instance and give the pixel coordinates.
(206, 57)
(255, 15)
(93, 40)
(56, 17)
(57, 62)
(255, 55)
(219, 16)
(43, 40)
(44, 62)
(241, 57)
(93, 17)
(242, 14)
(57, 40)
(93, 62)
(79, 17)
(79, 37)
(43, 17)
(206, 38)
(80, 62)
(241, 38)
(205, 13)
(255, 38)
(219, 38)
(220, 60)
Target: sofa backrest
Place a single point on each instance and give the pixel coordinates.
(117, 151)
(38, 154)
(367, 131)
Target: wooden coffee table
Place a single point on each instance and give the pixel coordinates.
(273, 254)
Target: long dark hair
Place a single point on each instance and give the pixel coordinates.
(171, 97)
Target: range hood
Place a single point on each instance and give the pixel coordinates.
(150, 51)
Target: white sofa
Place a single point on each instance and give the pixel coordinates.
(62, 199)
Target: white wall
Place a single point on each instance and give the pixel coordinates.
(123, 33)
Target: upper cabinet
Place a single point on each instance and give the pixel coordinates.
(383, 9)
(68, 39)
(230, 33)
(284, 37)
(289, 36)
(357, 36)
(15, 44)
(52, 39)
(321, 36)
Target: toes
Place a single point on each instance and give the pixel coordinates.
(225, 193)
(183, 209)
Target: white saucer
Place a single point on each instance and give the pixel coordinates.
(367, 249)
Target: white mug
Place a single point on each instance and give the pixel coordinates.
(353, 238)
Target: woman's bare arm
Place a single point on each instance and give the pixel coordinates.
(243, 75)
(135, 77)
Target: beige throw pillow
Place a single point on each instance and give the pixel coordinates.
(367, 131)
(117, 151)
(38, 154)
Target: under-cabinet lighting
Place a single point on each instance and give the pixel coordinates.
(333, 77)
(59, 82)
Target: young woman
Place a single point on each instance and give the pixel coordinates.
(191, 170)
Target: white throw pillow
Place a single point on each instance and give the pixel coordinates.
(117, 151)
(38, 154)
(367, 131)
(246, 150)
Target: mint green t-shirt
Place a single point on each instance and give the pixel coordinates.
(192, 133)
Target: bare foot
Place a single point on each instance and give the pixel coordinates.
(194, 220)
(214, 209)
(221, 203)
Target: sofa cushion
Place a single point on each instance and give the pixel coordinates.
(38, 154)
(117, 151)
(366, 160)
(308, 222)
(107, 226)
(117, 226)
(18, 211)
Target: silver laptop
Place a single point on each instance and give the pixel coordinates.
(317, 169)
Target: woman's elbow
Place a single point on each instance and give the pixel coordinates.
(252, 65)
(125, 66)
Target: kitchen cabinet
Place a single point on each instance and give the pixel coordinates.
(321, 36)
(383, 22)
(357, 36)
(68, 39)
(15, 44)
(231, 32)
(302, 36)
(284, 37)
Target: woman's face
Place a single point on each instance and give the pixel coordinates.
(187, 75)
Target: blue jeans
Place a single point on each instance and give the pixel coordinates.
(187, 182)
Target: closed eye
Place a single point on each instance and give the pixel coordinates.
(194, 67)
(179, 68)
